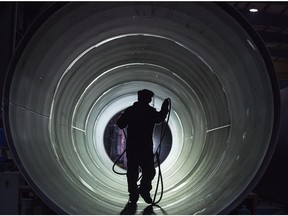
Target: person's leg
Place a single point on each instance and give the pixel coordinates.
(148, 173)
(132, 177)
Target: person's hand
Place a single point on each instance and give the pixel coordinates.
(166, 102)
(165, 106)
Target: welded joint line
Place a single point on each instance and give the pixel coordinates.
(79, 129)
(30, 110)
(218, 128)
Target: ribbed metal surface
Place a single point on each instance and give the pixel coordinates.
(86, 63)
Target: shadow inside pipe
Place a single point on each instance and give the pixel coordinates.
(131, 208)
(150, 211)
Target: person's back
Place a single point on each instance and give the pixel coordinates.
(141, 119)
(141, 123)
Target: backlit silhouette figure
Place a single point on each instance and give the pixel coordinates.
(140, 118)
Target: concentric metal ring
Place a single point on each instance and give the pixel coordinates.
(86, 63)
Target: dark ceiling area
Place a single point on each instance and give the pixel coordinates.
(271, 23)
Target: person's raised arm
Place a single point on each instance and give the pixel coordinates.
(163, 112)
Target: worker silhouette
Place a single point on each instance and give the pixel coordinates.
(140, 118)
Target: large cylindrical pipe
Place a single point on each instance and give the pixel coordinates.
(86, 62)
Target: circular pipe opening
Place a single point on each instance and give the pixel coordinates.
(85, 64)
(115, 142)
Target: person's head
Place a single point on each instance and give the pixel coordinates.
(145, 96)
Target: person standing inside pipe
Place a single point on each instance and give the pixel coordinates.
(140, 119)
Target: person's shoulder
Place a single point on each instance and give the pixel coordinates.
(131, 108)
(152, 109)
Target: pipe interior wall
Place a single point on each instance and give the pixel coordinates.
(86, 63)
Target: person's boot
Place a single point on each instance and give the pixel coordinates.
(145, 195)
(130, 209)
